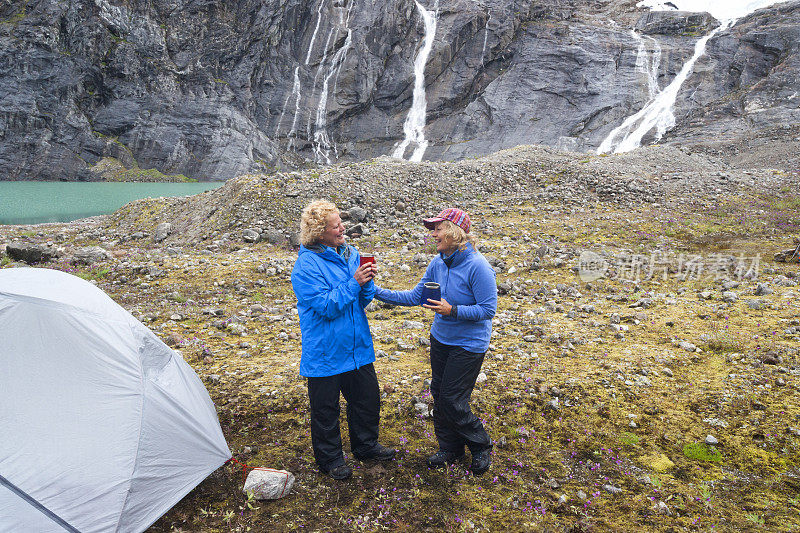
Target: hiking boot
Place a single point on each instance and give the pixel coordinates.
(441, 458)
(481, 462)
(377, 453)
(338, 472)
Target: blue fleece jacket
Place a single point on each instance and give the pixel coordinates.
(469, 282)
(330, 303)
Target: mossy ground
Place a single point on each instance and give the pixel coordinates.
(606, 432)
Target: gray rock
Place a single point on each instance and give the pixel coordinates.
(552, 405)
(250, 235)
(90, 255)
(31, 253)
(688, 346)
(422, 409)
(611, 489)
(729, 296)
(711, 440)
(162, 231)
(358, 214)
(273, 236)
(644, 303)
(355, 231)
(268, 484)
(762, 290)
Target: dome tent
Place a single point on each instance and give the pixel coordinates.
(104, 427)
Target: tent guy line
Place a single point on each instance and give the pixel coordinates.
(246, 467)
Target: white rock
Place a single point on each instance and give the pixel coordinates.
(268, 484)
(481, 378)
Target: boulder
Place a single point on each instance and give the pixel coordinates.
(358, 214)
(162, 231)
(90, 255)
(355, 231)
(268, 484)
(250, 235)
(273, 236)
(31, 253)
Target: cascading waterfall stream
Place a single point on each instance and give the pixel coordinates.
(657, 113)
(316, 29)
(414, 126)
(322, 142)
(334, 32)
(647, 63)
(295, 89)
(296, 93)
(485, 36)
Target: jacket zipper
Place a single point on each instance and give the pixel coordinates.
(353, 321)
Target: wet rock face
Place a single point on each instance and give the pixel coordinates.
(213, 90)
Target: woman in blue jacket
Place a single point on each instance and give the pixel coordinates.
(337, 352)
(460, 336)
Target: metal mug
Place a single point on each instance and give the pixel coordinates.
(430, 291)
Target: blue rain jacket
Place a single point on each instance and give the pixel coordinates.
(330, 303)
(470, 284)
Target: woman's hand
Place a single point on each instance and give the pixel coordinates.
(439, 306)
(365, 273)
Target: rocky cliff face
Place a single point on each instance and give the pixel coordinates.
(214, 89)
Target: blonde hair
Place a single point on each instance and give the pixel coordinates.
(457, 235)
(313, 221)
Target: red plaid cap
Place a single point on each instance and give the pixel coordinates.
(453, 214)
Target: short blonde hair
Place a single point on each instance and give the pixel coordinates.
(457, 235)
(313, 221)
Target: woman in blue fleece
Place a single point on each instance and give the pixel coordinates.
(460, 336)
(337, 353)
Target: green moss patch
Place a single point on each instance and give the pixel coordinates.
(700, 451)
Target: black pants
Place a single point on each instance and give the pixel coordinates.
(360, 388)
(454, 372)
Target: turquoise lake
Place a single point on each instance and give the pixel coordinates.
(34, 202)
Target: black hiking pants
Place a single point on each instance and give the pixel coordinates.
(454, 371)
(360, 389)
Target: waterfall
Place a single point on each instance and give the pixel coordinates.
(414, 126)
(322, 142)
(295, 92)
(316, 29)
(647, 63)
(485, 35)
(657, 113)
(317, 75)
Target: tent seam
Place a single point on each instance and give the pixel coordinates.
(138, 440)
(39, 506)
